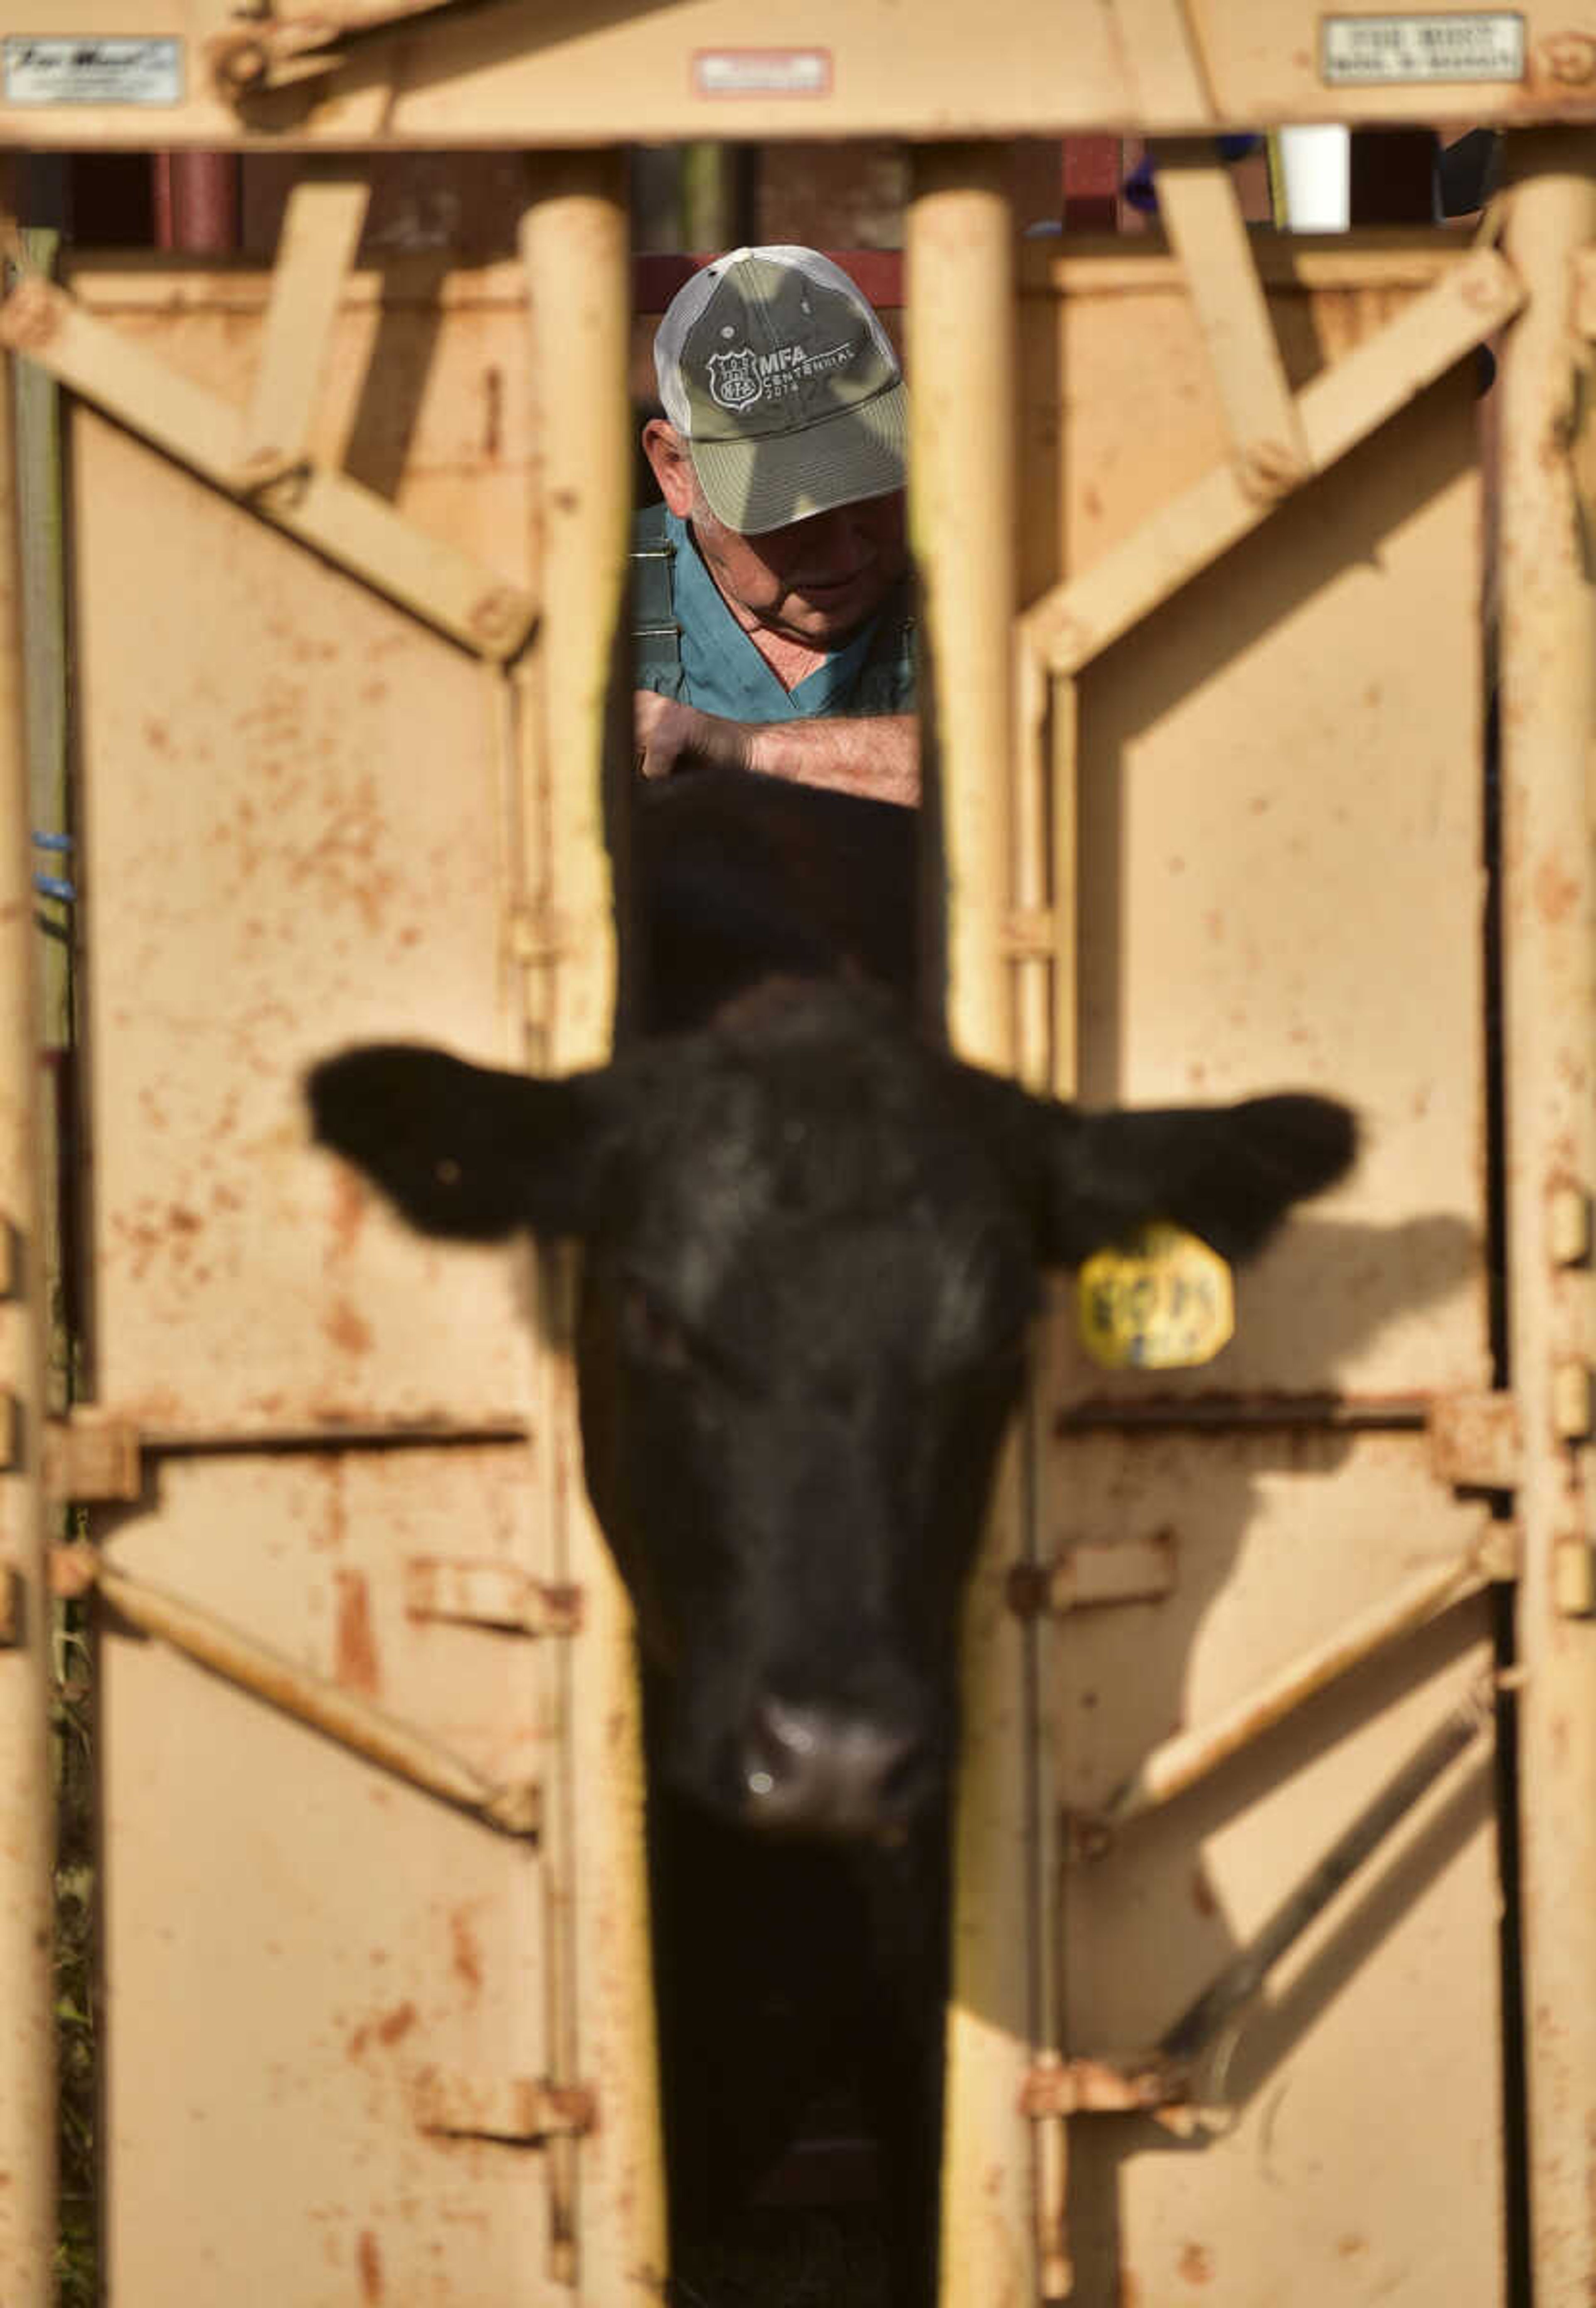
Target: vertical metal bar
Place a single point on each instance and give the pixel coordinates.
(575, 248)
(27, 2046)
(961, 331)
(1547, 712)
(194, 200)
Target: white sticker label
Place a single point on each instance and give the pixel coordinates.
(92, 70)
(762, 71)
(1363, 51)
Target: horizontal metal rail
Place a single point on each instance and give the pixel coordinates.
(1248, 1413)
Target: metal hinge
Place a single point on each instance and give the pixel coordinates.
(1475, 1440)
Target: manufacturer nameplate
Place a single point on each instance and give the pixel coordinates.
(1370, 51)
(50, 69)
(762, 71)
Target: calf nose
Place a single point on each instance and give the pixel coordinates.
(812, 1771)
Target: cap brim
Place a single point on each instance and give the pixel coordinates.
(760, 484)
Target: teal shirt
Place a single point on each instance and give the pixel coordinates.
(712, 663)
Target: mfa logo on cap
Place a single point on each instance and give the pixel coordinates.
(733, 383)
(737, 379)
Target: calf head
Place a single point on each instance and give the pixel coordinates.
(812, 1248)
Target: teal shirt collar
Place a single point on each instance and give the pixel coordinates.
(723, 671)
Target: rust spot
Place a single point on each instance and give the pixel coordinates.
(1555, 891)
(347, 1328)
(396, 2025)
(1128, 2292)
(371, 2267)
(334, 1530)
(1197, 2264)
(1348, 2247)
(356, 1647)
(1202, 1893)
(467, 1949)
(347, 1213)
(493, 394)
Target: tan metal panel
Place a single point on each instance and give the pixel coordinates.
(1280, 864)
(293, 1940)
(528, 73)
(295, 838)
(1353, 2154)
(303, 825)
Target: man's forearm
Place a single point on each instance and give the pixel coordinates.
(878, 756)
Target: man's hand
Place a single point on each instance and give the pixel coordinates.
(877, 756)
(670, 737)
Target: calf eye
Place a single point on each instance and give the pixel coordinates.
(651, 1331)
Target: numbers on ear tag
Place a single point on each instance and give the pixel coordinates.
(1158, 1299)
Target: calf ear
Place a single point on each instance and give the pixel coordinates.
(461, 1150)
(1227, 1172)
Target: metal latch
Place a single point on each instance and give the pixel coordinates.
(1097, 1572)
(517, 2109)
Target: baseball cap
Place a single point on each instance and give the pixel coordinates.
(780, 378)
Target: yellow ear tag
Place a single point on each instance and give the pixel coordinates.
(1158, 1299)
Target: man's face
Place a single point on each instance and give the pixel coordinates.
(816, 581)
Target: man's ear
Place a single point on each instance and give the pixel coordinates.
(1227, 1172)
(465, 1151)
(671, 464)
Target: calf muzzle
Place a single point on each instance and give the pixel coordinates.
(814, 1770)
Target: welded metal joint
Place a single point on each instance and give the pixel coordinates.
(1475, 1440)
(521, 2111)
(1134, 2083)
(92, 1455)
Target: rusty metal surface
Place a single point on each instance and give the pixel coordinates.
(319, 1935)
(1289, 2191)
(519, 74)
(1235, 788)
(1548, 934)
(28, 2131)
(302, 826)
(299, 842)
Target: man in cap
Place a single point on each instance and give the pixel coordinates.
(774, 630)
